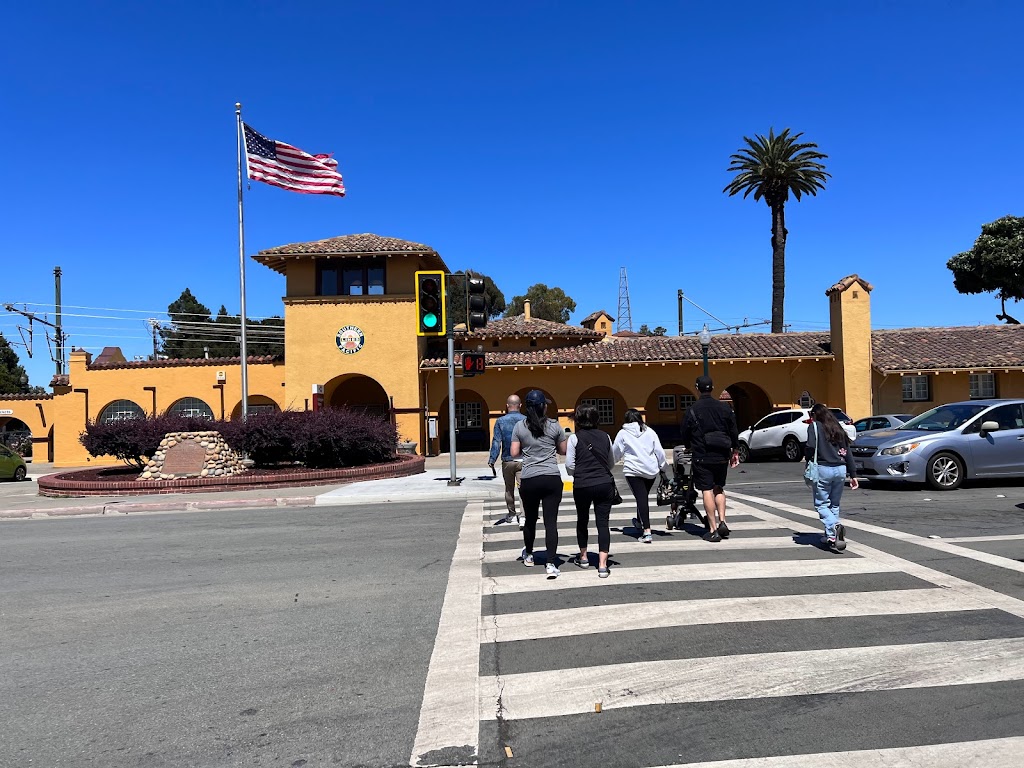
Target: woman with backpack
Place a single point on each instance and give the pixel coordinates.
(642, 459)
(829, 463)
(538, 440)
(588, 458)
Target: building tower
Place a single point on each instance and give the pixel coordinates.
(625, 319)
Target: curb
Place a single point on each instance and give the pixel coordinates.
(176, 506)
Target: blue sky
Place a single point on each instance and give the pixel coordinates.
(536, 142)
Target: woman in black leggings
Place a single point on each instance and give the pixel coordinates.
(538, 440)
(643, 458)
(588, 458)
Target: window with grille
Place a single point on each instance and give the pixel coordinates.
(119, 410)
(685, 401)
(469, 415)
(191, 407)
(983, 386)
(916, 388)
(666, 402)
(605, 408)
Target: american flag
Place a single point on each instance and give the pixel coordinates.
(288, 167)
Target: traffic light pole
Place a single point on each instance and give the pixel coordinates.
(453, 479)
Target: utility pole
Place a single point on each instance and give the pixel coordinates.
(679, 298)
(154, 324)
(58, 327)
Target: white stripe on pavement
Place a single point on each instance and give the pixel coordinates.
(758, 675)
(568, 529)
(448, 714)
(534, 580)
(991, 753)
(969, 539)
(598, 619)
(660, 544)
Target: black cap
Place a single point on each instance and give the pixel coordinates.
(704, 384)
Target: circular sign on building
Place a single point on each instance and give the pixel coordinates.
(350, 339)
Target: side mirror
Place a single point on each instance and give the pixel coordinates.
(989, 426)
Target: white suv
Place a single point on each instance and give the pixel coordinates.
(785, 433)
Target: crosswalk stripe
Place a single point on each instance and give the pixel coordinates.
(533, 579)
(568, 528)
(599, 619)
(688, 544)
(752, 676)
(991, 753)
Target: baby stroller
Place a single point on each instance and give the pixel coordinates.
(679, 492)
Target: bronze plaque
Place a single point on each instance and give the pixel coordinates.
(185, 458)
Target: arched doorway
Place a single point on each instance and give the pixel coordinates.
(471, 422)
(16, 435)
(552, 406)
(750, 403)
(257, 404)
(664, 411)
(611, 407)
(358, 392)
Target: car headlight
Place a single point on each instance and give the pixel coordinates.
(898, 450)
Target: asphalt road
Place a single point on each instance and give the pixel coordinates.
(302, 637)
(256, 638)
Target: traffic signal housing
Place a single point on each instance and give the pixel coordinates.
(476, 308)
(430, 303)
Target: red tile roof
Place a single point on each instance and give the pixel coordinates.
(518, 326)
(366, 244)
(185, 363)
(966, 347)
(848, 281)
(28, 396)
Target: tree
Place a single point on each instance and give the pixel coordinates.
(12, 372)
(995, 264)
(545, 304)
(457, 298)
(193, 333)
(772, 168)
(645, 331)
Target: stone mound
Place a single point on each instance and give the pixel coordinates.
(192, 454)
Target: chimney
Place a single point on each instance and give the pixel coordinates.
(526, 309)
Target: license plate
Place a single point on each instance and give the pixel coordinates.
(858, 464)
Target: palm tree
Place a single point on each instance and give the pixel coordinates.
(771, 168)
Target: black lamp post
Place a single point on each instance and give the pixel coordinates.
(705, 342)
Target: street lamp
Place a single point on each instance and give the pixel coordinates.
(705, 342)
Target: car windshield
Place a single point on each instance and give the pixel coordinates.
(944, 418)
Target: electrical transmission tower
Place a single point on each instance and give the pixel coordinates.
(624, 322)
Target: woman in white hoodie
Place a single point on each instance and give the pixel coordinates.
(644, 458)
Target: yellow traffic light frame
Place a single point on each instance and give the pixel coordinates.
(443, 300)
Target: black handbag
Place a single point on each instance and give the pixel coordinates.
(666, 491)
(616, 496)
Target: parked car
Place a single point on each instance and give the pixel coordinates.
(947, 445)
(885, 421)
(12, 466)
(785, 433)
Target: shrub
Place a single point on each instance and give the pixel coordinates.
(336, 437)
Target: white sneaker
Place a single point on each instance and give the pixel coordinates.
(520, 522)
(527, 558)
(552, 571)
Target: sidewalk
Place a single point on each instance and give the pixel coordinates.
(20, 501)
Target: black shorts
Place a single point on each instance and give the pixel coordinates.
(708, 477)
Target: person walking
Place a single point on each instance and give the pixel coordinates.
(709, 431)
(588, 458)
(828, 446)
(539, 440)
(642, 456)
(501, 446)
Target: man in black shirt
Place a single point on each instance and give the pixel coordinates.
(709, 431)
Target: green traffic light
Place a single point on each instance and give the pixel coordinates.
(430, 321)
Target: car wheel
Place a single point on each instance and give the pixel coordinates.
(744, 452)
(945, 472)
(19, 474)
(791, 450)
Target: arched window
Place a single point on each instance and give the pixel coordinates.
(191, 407)
(119, 410)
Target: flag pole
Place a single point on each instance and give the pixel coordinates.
(241, 266)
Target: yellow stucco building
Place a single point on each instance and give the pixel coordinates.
(350, 332)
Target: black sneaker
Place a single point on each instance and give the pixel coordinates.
(833, 545)
(840, 537)
(723, 530)
(711, 536)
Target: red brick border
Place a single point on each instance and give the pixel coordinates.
(66, 484)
